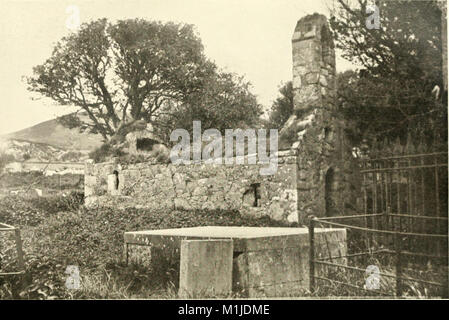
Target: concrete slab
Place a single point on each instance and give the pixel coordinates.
(245, 238)
(205, 268)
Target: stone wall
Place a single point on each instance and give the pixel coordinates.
(312, 175)
(196, 186)
(314, 130)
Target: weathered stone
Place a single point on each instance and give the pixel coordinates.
(181, 203)
(205, 268)
(89, 185)
(297, 82)
(113, 184)
(323, 81)
(268, 262)
(312, 78)
(205, 186)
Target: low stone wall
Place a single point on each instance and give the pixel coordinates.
(196, 186)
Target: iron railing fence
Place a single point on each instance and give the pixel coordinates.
(397, 270)
(400, 241)
(411, 191)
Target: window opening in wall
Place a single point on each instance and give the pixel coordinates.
(252, 195)
(327, 134)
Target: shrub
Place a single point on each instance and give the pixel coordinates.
(20, 211)
(104, 152)
(131, 159)
(37, 179)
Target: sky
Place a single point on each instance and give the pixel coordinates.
(247, 37)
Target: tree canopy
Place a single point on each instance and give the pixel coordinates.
(137, 70)
(282, 107)
(390, 96)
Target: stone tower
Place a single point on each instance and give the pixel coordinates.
(314, 131)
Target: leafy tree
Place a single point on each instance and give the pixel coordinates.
(134, 72)
(282, 107)
(371, 117)
(401, 62)
(225, 102)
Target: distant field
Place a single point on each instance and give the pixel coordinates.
(31, 180)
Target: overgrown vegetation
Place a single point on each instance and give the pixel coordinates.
(282, 107)
(58, 232)
(36, 179)
(5, 158)
(105, 151)
(401, 62)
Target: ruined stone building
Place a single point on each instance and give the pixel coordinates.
(310, 179)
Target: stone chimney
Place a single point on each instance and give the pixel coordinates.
(315, 131)
(313, 62)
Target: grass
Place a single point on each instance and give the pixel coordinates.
(386, 263)
(36, 179)
(58, 232)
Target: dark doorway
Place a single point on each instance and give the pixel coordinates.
(328, 192)
(116, 179)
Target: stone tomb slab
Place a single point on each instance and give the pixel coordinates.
(205, 268)
(267, 262)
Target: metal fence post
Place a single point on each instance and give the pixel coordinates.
(386, 225)
(397, 241)
(126, 254)
(311, 254)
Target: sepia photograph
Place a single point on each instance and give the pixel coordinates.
(223, 151)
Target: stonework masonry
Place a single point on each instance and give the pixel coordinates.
(196, 186)
(266, 262)
(313, 161)
(315, 131)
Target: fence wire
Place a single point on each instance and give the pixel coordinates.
(398, 246)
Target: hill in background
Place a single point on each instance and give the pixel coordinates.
(51, 132)
(49, 141)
